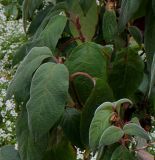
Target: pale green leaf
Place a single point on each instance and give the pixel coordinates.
(111, 135)
(135, 130)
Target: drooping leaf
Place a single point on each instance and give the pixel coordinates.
(101, 93)
(28, 147)
(85, 5)
(135, 130)
(127, 73)
(52, 32)
(128, 9)
(111, 135)
(136, 33)
(87, 22)
(100, 122)
(109, 26)
(86, 58)
(71, 126)
(20, 85)
(48, 95)
(122, 153)
(119, 103)
(9, 153)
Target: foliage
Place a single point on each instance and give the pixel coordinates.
(81, 64)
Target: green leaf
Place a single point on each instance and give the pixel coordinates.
(119, 103)
(86, 58)
(100, 93)
(128, 9)
(29, 6)
(28, 148)
(100, 122)
(36, 22)
(85, 5)
(127, 73)
(71, 126)
(152, 80)
(136, 34)
(105, 152)
(9, 153)
(20, 85)
(148, 37)
(48, 95)
(62, 151)
(52, 32)
(88, 22)
(135, 130)
(111, 135)
(109, 26)
(122, 153)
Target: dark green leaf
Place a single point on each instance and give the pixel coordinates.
(21, 83)
(28, 148)
(127, 73)
(149, 38)
(101, 93)
(109, 26)
(122, 153)
(153, 6)
(111, 135)
(86, 58)
(48, 95)
(85, 5)
(136, 33)
(71, 126)
(135, 130)
(62, 151)
(152, 79)
(29, 6)
(36, 22)
(9, 153)
(128, 9)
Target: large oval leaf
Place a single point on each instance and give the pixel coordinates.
(9, 153)
(100, 93)
(48, 95)
(130, 65)
(111, 135)
(85, 5)
(87, 58)
(135, 130)
(20, 85)
(29, 149)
